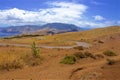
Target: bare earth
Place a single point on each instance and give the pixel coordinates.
(84, 69)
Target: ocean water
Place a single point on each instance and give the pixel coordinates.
(7, 34)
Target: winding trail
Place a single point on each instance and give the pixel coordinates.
(83, 44)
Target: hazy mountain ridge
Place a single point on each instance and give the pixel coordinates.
(19, 29)
(49, 28)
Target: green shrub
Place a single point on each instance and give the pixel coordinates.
(109, 53)
(68, 59)
(35, 51)
(34, 58)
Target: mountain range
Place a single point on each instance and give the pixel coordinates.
(49, 28)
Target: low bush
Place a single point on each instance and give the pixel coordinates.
(68, 59)
(86, 54)
(109, 53)
(71, 59)
(34, 58)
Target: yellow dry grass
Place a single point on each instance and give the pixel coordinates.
(66, 38)
(89, 34)
(10, 61)
(16, 57)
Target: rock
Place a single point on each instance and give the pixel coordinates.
(100, 41)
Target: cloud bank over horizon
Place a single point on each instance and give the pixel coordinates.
(61, 12)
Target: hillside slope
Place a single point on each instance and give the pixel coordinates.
(66, 38)
(95, 67)
(89, 34)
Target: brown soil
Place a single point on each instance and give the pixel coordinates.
(84, 69)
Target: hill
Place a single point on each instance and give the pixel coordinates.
(100, 61)
(66, 38)
(47, 28)
(89, 34)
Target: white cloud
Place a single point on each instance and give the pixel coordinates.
(92, 24)
(98, 17)
(63, 12)
(58, 12)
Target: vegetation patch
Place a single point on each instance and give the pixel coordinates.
(86, 54)
(109, 53)
(33, 59)
(11, 62)
(80, 55)
(35, 50)
(71, 59)
(68, 59)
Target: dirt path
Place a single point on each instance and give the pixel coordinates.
(84, 44)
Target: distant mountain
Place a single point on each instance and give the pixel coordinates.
(50, 28)
(61, 26)
(19, 29)
(54, 28)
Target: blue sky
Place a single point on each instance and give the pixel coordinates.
(83, 13)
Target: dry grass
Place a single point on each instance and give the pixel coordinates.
(10, 61)
(66, 38)
(88, 35)
(16, 58)
(47, 40)
(12, 57)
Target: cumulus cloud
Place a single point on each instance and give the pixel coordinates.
(57, 12)
(63, 12)
(98, 17)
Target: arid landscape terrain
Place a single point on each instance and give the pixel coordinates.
(84, 55)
